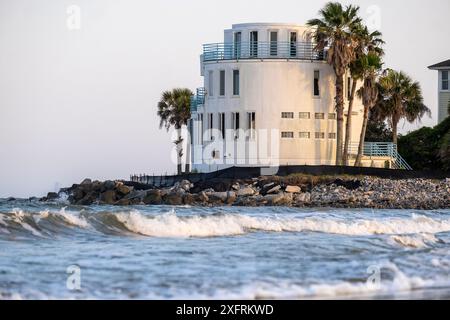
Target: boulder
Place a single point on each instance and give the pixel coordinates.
(188, 199)
(108, 197)
(293, 189)
(274, 190)
(186, 185)
(52, 196)
(86, 181)
(303, 198)
(87, 200)
(153, 197)
(108, 185)
(173, 199)
(245, 192)
(123, 189)
(231, 197)
(279, 199)
(218, 197)
(201, 197)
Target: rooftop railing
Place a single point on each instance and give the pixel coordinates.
(198, 99)
(261, 50)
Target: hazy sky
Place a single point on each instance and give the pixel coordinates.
(82, 103)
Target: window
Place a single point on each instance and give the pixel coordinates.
(287, 115)
(235, 82)
(235, 120)
(254, 44)
(319, 116)
(444, 80)
(201, 127)
(304, 115)
(287, 135)
(251, 122)
(191, 130)
(237, 45)
(320, 135)
(332, 116)
(222, 83)
(304, 135)
(210, 83)
(222, 124)
(316, 83)
(332, 136)
(293, 48)
(210, 126)
(273, 43)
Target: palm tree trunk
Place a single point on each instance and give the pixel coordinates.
(362, 138)
(394, 130)
(179, 152)
(348, 127)
(339, 117)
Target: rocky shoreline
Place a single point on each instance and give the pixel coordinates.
(292, 191)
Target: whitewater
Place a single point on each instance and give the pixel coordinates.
(163, 252)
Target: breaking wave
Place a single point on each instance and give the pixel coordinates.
(400, 285)
(417, 231)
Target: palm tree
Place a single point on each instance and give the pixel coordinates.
(174, 110)
(333, 30)
(371, 65)
(366, 42)
(401, 98)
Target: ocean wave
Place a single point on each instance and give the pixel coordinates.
(400, 285)
(420, 240)
(416, 231)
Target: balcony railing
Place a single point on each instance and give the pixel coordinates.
(198, 99)
(382, 149)
(261, 50)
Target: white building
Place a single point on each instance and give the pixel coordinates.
(443, 69)
(267, 100)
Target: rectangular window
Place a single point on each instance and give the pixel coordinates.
(304, 135)
(211, 126)
(254, 44)
(293, 47)
(444, 80)
(319, 116)
(201, 127)
(222, 124)
(210, 83)
(304, 115)
(287, 135)
(235, 82)
(332, 116)
(287, 115)
(236, 126)
(222, 83)
(320, 135)
(251, 124)
(273, 43)
(316, 83)
(332, 136)
(237, 45)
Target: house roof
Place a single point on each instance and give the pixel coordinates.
(440, 65)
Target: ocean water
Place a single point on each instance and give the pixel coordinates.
(59, 251)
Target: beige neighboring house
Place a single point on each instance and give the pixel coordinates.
(443, 69)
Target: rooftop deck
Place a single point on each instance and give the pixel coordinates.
(261, 50)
